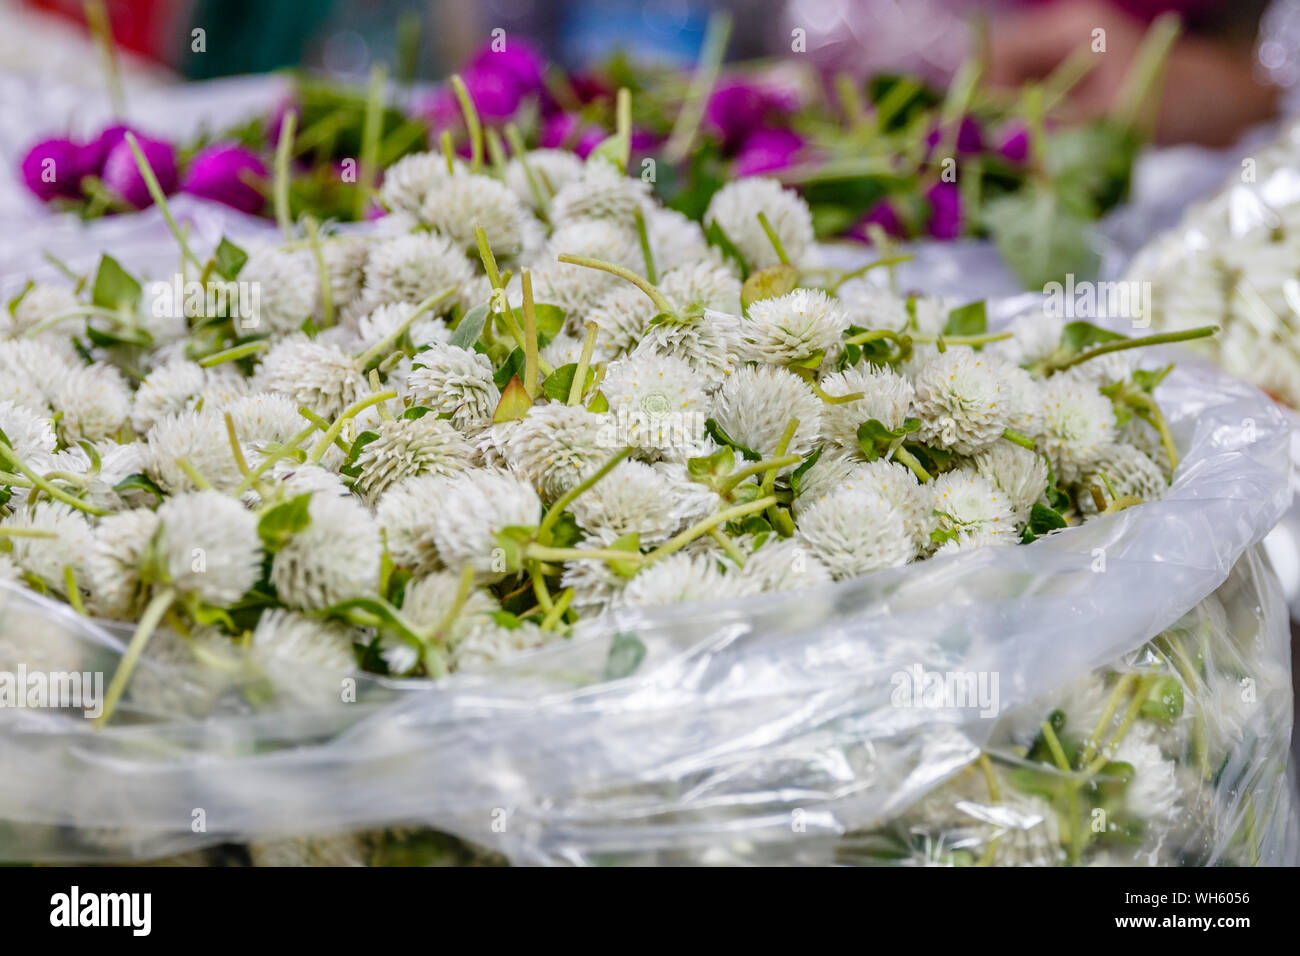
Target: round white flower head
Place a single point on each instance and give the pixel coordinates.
(413, 267)
(792, 328)
(429, 600)
(830, 470)
(898, 486)
(473, 508)
(684, 578)
(556, 445)
(405, 515)
(735, 207)
(657, 404)
(345, 261)
(170, 387)
(566, 349)
(1078, 423)
(595, 584)
(457, 204)
(334, 558)
(621, 316)
(755, 406)
(602, 192)
(321, 377)
(411, 446)
(633, 498)
(46, 557)
(615, 242)
(385, 322)
(873, 306)
(785, 566)
(410, 179)
(263, 417)
(853, 530)
(969, 509)
(886, 397)
(94, 402)
(284, 288)
(29, 431)
(210, 546)
(964, 400)
(121, 543)
(1121, 471)
(551, 171)
(676, 240)
(41, 303)
(454, 382)
(1034, 337)
(1153, 792)
(1027, 832)
(201, 439)
(1020, 474)
(30, 370)
(706, 342)
(485, 646)
(929, 313)
(292, 640)
(703, 283)
(301, 478)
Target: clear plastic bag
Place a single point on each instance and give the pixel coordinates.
(769, 731)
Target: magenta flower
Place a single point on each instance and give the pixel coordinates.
(54, 168)
(883, 215)
(945, 210)
(227, 173)
(121, 175)
(739, 107)
(970, 138)
(766, 150)
(1013, 142)
(96, 151)
(520, 63)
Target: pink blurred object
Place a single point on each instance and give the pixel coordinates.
(227, 173)
(121, 174)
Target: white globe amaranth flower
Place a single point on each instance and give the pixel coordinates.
(704, 283)
(551, 169)
(595, 584)
(706, 342)
(93, 403)
(345, 263)
(455, 382)
(285, 641)
(615, 242)
(430, 599)
(1034, 337)
(472, 510)
(299, 478)
(795, 327)
(313, 374)
(405, 514)
(656, 404)
(676, 240)
(603, 191)
(334, 558)
(853, 530)
(555, 446)
(31, 370)
(831, 469)
(262, 417)
(1078, 423)
(210, 546)
(41, 303)
(964, 400)
(873, 306)
(1153, 793)
(413, 267)
(8, 570)
(1027, 832)
(389, 323)
(735, 207)
(1121, 471)
(201, 439)
(483, 647)
(46, 557)
(785, 566)
(409, 180)
(755, 406)
(928, 314)
(121, 545)
(456, 204)
(284, 286)
(968, 509)
(411, 446)
(29, 431)
(886, 397)
(1020, 474)
(170, 387)
(684, 578)
(634, 498)
(621, 316)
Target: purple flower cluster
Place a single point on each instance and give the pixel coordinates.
(58, 169)
(752, 120)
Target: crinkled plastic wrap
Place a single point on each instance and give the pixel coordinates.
(793, 729)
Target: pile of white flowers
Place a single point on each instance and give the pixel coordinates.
(1234, 261)
(526, 398)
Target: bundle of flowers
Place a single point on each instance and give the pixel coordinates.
(1234, 260)
(523, 401)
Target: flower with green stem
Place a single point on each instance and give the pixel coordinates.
(160, 199)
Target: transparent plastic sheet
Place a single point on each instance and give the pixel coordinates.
(768, 731)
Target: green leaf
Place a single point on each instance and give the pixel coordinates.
(565, 532)
(1164, 700)
(630, 543)
(469, 328)
(796, 476)
(114, 287)
(719, 435)
(717, 236)
(1040, 240)
(875, 439)
(283, 521)
(626, 652)
(415, 412)
(1043, 519)
(512, 541)
(970, 319)
(512, 367)
(550, 319)
(599, 404)
(138, 482)
(556, 385)
(228, 259)
(511, 622)
(514, 403)
(722, 462)
(350, 467)
(615, 149)
(1148, 379)
(769, 283)
(1079, 336)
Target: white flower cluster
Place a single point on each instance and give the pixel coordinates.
(453, 435)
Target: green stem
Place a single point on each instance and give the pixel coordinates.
(1018, 439)
(1148, 64)
(385, 344)
(729, 483)
(9, 456)
(769, 480)
(773, 238)
(280, 190)
(233, 353)
(860, 270)
(874, 335)
(647, 255)
(149, 621)
(443, 628)
(566, 499)
(372, 127)
(584, 362)
(687, 125)
(349, 413)
(72, 591)
(703, 527)
(520, 150)
(160, 199)
(557, 610)
(448, 151)
(530, 336)
(496, 153)
(962, 339)
(193, 474)
(905, 457)
(1160, 338)
(657, 297)
(541, 552)
(472, 122)
(1093, 740)
(269, 460)
(728, 546)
